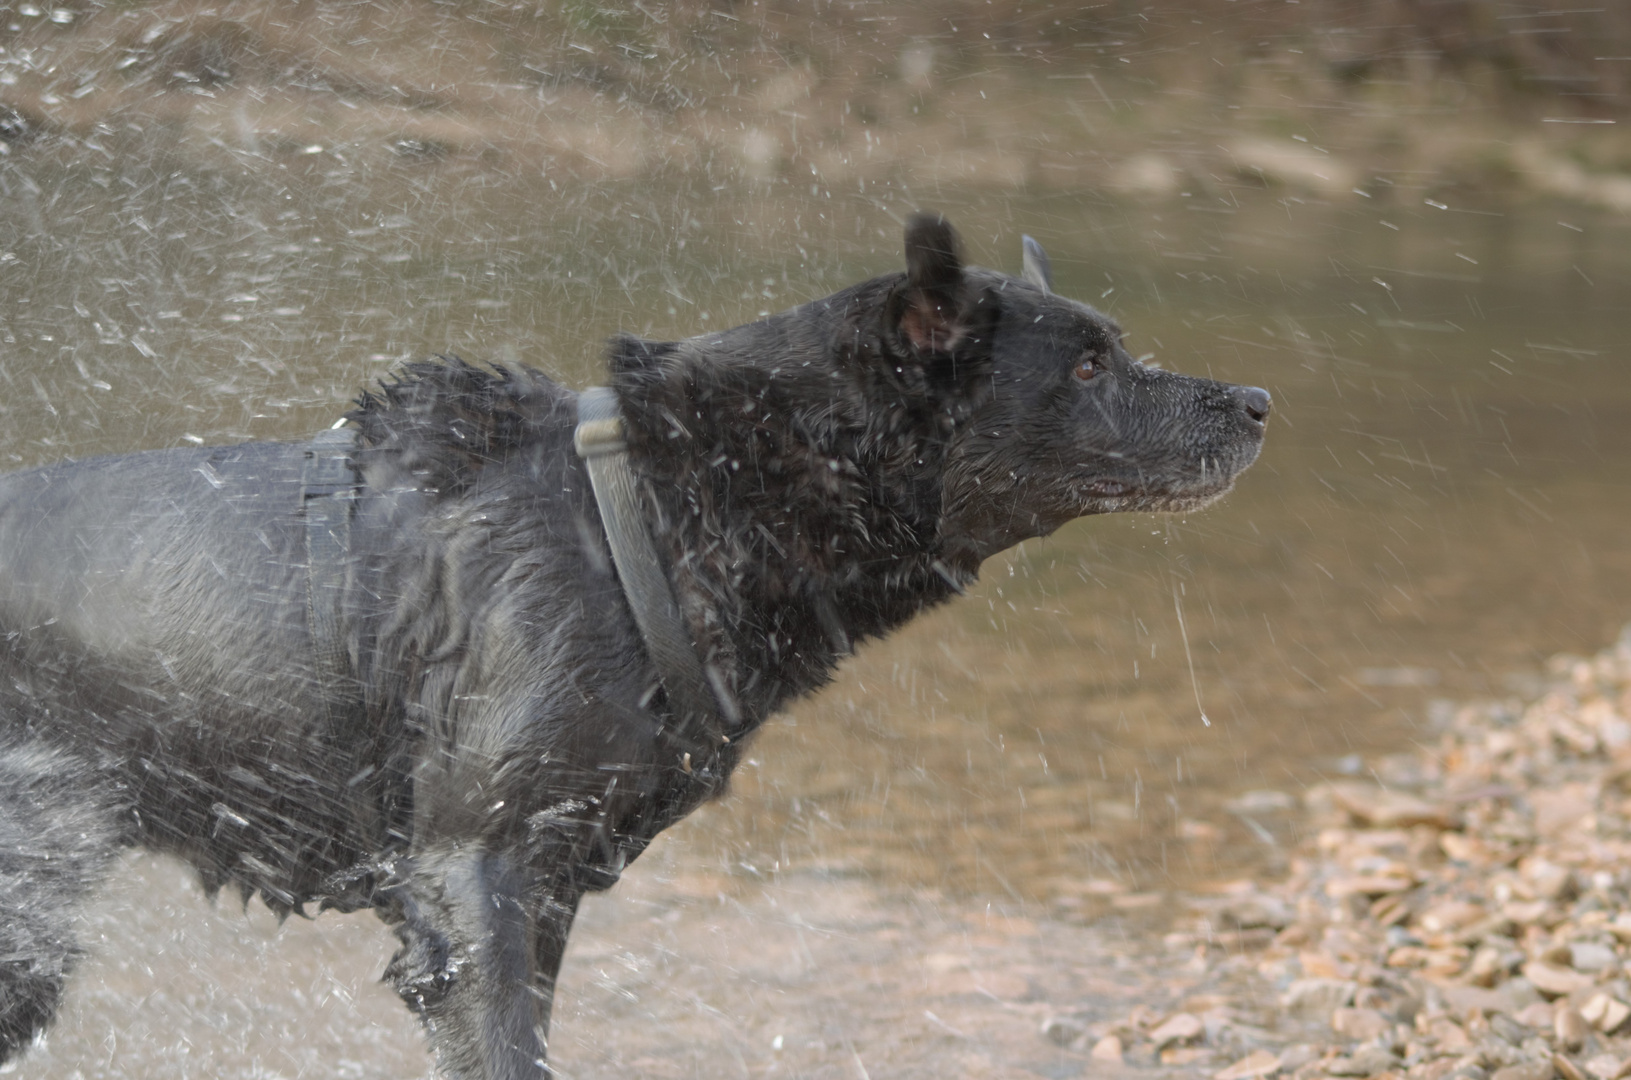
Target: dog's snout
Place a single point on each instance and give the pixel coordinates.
(1255, 400)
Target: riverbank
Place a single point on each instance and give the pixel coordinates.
(1112, 105)
(1465, 915)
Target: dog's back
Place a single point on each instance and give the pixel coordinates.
(131, 586)
(154, 618)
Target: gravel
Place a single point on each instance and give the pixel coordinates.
(1472, 923)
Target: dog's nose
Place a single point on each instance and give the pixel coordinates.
(1255, 400)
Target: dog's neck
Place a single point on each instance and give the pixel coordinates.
(799, 505)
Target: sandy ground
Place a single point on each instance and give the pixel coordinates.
(668, 976)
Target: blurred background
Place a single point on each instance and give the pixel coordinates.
(1406, 218)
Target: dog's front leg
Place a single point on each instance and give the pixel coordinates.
(480, 954)
(551, 926)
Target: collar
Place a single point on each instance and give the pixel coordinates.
(695, 699)
(329, 489)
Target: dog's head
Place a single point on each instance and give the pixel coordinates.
(949, 407)
(1065, 423)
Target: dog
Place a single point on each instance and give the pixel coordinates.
(427, 664)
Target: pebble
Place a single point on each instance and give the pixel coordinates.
(1384, 809)
(1256, 1063)
(1528, 1070)
(1365, 1061)
(1064, 1030)
(1604, 1067)
(1107, 1049)
(1477, 927)
(1296, 1056)
(1570, 1028)
(1556, 980)
(1589, 956)
(1604, 1013)
(1318, 998)
(1359, 1024)
(1182, 1027)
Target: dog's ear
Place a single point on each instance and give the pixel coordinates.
(1038, 270)
(932, 320)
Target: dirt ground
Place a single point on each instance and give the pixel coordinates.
(678, 973)
(1163, 104)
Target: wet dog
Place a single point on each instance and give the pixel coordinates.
(404, 667)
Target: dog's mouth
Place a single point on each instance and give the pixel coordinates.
(1209, 478)
(1111, 496)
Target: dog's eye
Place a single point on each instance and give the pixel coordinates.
(1087, 367)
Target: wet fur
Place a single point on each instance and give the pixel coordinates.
(812, 480)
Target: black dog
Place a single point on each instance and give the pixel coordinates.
(403, 667)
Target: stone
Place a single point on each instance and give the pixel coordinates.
(1507, 998)
(1365, 1061)
(1141, 1017)
(1450, 915)
(1107, 1049)
(1520, 993)
(1408, 956)
(1538, 1015)
(1450, 1036)
(1487, 967)
(1251, 912)
(1390, 910)
(1527, 912)
(1359, 1024)
(1388, 809)
(1264, 801)
(1589, 956)
(1495, 1052)
(1527, 1070)
(1064, 1030)
(1257, 1063)
(1509, 1029)
(1180, 1027)
(1560, 809)
(1465, 849)
(1549, 880)
(1556, 980)
(1297, 1055)
(1321, 964)
(1605, 1013)
(1570, 1028)
(1566, 1068)
(1371, 885)
(1316, 999)
(1604, 1067)
(1492, 926)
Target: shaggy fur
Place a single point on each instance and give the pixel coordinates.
(811, 480)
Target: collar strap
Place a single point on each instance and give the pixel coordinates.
(329, 487)
(693, 702)
(328, 491)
